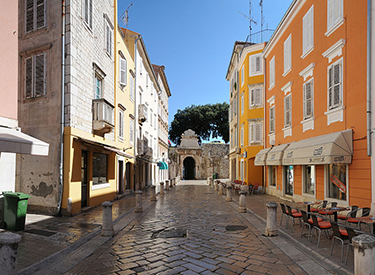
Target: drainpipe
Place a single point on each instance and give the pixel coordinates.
(369, 77)
(61, 182)
(135, 108)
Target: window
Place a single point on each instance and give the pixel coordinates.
(242, 103)
(335, 85)
(337, 181)
(108, 37)
(255, 132)
(289, 179)
(36, 75)
(255, 97)
(151, 117)
(87, 13)
(309, 179)
(99, 171)
(242, 135)
(308, 32)
(255, 65)
(272, 73)
(308, 95)
(121, 124)
(35, 15)
(335, 12)
(272, 120)
(272, 175)
(147, 80)
(98, 87)
(288, 54)
(131, 94)
(242, 75)
(288, 111)
(131, 130)
(123, 70)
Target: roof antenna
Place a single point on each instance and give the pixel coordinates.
(261, 20)
(125, 16)
(250, 19)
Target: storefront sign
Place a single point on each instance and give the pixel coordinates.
(318, 151)
(338, 183)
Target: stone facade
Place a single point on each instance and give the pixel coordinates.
(190, 160)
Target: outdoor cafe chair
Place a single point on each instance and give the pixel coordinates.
(340, 235)
(319, 226)
(284, 213)
(319, 206)
(306, 222)
(343, 215)
(326, 211)
(253, 188)
(351, 234)
(293, 215)
(359, 212)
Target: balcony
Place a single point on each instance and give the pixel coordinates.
(102, 116)
(142, 113)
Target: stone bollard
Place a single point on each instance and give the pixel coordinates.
(166, 185)
(242, 203)
(271, 228)
(107, 229)
(229, 193)
(220, 188)
(153, 193)
(161, 188)
(215, 185)
(364, 254)
(8, 252)
(138, 202)
(170, 184)
(208, 180)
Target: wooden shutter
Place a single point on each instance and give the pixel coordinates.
(258, 96)
(251, 133)
(258, 64)
(272, 120)
(89, 10)
(258, 132)
(308, 30)
(307, 99)
(29, 15)
(272, 72)
(40, 14)
(287, 107)
(40, 75)
(121, 124)
(29, 77)
(108, 39)
(123, 70)
(287, 54)
(330, 87)
(131, 130)
(337, 85)
(131, 88)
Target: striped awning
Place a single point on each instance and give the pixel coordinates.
(162, 165)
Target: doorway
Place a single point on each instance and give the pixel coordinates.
(189, 168)
(84, 188)
(128, 175)
(289, 180)
(120, 177)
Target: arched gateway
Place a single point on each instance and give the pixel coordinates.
(189, 168)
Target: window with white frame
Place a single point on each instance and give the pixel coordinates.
(308, 177)
(335, 85)
(272, 120)
(255, 64)
(288, 111)
(131, 130)
(242, 103)
(242, 75)
(335, 11)
(147, 82)
(288, 54)
(272, 172)
(151, 117)
(308, 31)
(131, 92)
(272, 73)
(121, 124)
(36, 75)
(155, 121)
(87, 12)
(123, 70)
(308, 99)
(255, 132)
(242, 135)
(98, 86)
(108, 37)
(36, 15)
(255, 96)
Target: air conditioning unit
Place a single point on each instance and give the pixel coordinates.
(142, 113)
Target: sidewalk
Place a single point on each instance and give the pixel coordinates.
(50, 240)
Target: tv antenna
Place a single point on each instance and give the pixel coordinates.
(251, 21)
(125, 16)
(261, 19)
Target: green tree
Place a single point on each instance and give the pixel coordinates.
(205, 120)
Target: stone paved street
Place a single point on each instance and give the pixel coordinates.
(208, 247)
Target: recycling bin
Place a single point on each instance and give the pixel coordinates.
(214, 176)
(15, 207)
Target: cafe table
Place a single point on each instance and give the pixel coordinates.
(369, 220)
(334, 211)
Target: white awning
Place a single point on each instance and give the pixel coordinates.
(14, 141)
(275, 155)
(260, 158)
(326, 149)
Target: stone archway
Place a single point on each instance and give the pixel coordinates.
(189, 168)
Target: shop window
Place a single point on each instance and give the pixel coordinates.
(309, 177)
(272, 175)
(289, 180)
(99, 163)
(337, 181)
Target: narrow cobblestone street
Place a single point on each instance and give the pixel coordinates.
(208, 247)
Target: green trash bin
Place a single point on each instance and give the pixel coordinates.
(15, 207)
(214, 176)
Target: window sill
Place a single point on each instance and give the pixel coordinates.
(256, 74)
(287, 131)
(308, 124)
(287, 71)
(308, 195)
(334, 27)
(100, 186)
(335, 115)
(306, 53)
(271, 87)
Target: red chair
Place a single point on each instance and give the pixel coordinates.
(306, 221)
(340, 235)
(351, 217)
(319, 206)
(320, 225)
(345, 216)
(294, 215)
(254, 188)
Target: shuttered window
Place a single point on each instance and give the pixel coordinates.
(272, 72)
(35, 15)
(272, 120)
(335, 85)
(308, 100)
(131, 130)
(287, 111)
(308, 31)
(335, 10)
(255, 65)
(87, 12)
(108, 38)
(36, 75)
(255, 132)
(131, 94)
(123, 70)
(288, 54)
(255, 98)
(242, 104)
(121, 124)
(242, 136)
(242, 76)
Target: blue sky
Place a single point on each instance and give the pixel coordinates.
(194, 40)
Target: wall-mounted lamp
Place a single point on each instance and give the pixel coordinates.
(272, 143)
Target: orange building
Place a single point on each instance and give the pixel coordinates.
(315, 110)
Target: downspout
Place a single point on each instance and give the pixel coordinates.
(135, 109)
(369, 77)
(264, 122)
(61, 165)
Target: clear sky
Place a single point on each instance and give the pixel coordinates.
(194, 40)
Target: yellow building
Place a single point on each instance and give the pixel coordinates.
(245, 74)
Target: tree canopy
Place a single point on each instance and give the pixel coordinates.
(205, 120)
